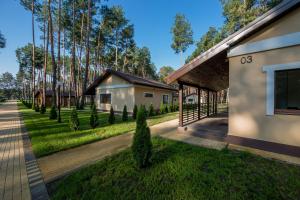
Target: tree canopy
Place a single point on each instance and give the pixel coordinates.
(164, 72)
(182, 34)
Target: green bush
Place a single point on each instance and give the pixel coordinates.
(53, 113)
(111, 117)
(135, 111)
(166, 108)
(171, 108)
(162, 108)
(142, 145)
(151, 110)
(94, 119)
(43, 109)
(37, 108)
(74, 121)
(125, 114)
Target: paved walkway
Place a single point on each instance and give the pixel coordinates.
(65, 162)
(13, 176)
(20, 177)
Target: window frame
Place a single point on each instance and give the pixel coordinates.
(148, 93)
(278, 110)
(106, 94)
(168, 102)
(270, 85)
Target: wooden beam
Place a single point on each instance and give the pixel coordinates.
(207, 109)
(199, 103)
(193, 85)
(180, 97)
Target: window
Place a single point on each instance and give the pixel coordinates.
(105, 98)
(165, 99)
(287, 91)
(148, 95)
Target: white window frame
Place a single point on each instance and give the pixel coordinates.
(110, 98)
(270, 90)
(163, 99)
(149, 93)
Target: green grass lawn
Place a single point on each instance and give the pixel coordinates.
(48, 136)
(182, 171)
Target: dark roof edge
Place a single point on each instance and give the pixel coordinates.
(102, 77)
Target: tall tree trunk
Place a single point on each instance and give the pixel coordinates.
(116, 61)
(63, 64)
(54, 71)
(87, 55)
(72, 71)
(45, 60)
(58, 58)
(33, 53)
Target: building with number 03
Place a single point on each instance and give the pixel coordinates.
(260, 67)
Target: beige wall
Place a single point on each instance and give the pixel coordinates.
(122, 94)
(288, 24)
(157, 96)
(247, 93)
(247, 99)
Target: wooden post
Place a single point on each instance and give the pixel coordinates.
(199, 103)
(180, 105)
(213, 105)
(207, 109)
(216, 106)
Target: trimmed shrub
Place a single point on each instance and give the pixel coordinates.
(125, 114)
(170, 108)
(151, 110)
(53, 113)
(135, 111)
(37, 108)
(94, 120)
(142, 145)
(74, 121)
(111, 117)
(162, 108)
(43, 109)
(166, 108)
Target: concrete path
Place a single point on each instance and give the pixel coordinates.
(20, 177)
(13, 177)
(62, 163)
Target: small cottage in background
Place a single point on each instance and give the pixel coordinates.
(49, 93)
(117, 89)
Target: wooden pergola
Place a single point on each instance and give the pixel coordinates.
(207, 77)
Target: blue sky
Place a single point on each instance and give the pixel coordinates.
(152, 20)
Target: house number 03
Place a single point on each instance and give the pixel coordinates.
(246, 59)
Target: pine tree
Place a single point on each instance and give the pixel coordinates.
(142, 145)
(36, 108)
(166, 108)
(125, 114)
(111, 118)
(74, 121)
(43, 109)
(94, 120)
(182, 35)
(151, 110)
(53, 113)
(135, 111)
(162, 108)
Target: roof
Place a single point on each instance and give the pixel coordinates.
(50, 93)
(129, 78)
(261, 22)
